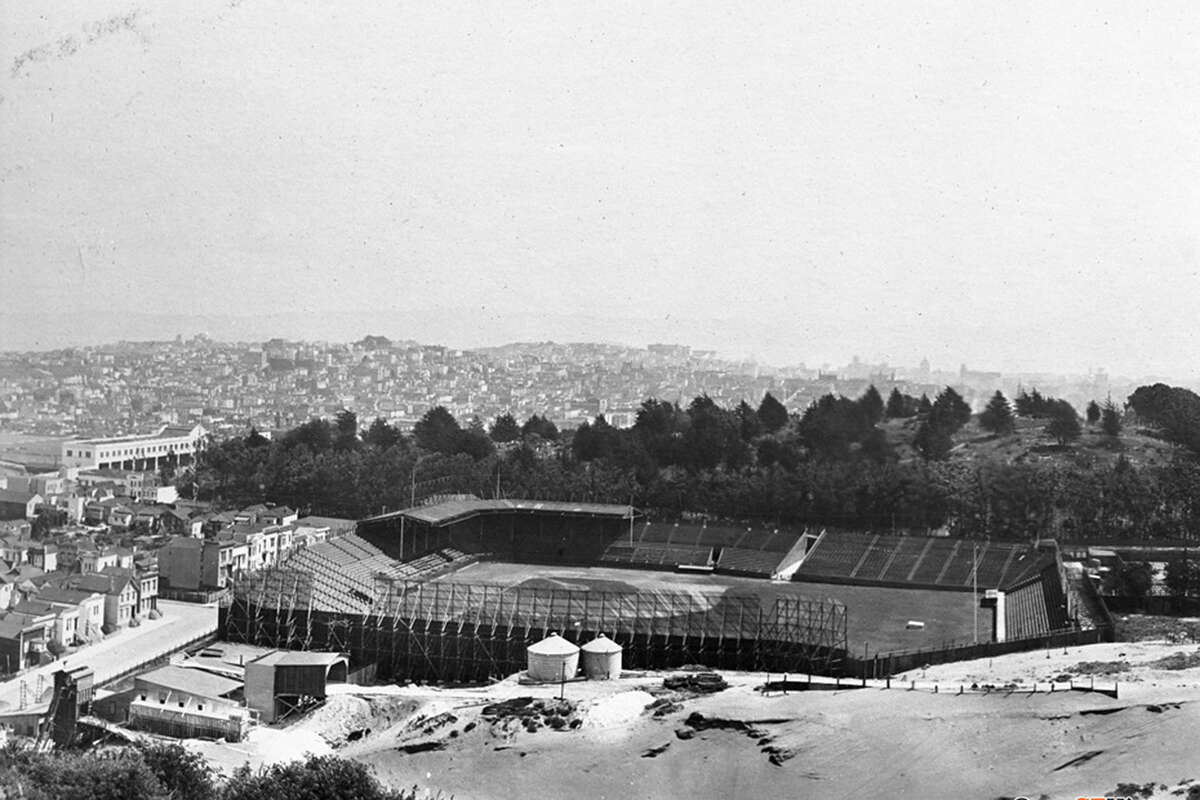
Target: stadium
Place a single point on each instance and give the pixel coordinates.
(455, 591)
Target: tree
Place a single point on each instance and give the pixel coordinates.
(1183, 577)
(900, 406)
(932, 440)
(184, 774)
(505, 429)
(316, 435)
(1110, 419)
(315, 778)
(1092, 412)
(871, 404)
(748, 422)
(1135, 579)
(831, 425)
(540, 426)
(346, 426)
(437, 431)
(924, 407)
(1064, 422)
(256, 439)
(950, 410)
(771, 413)
(381, 435)
(998, 416)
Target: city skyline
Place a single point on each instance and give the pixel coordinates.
(1005, 189)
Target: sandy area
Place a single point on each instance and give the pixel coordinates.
(820, 744)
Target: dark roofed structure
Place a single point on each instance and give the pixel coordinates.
(451, 511)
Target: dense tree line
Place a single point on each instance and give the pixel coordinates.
(169, 772)
(840, 462)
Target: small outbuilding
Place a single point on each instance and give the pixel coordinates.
(602, 658)
(283, 681)
(552, 659)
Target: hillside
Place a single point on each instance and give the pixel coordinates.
(1030, 444)
(636, 738)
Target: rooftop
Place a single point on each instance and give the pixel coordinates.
(190, 681)
(455, 510)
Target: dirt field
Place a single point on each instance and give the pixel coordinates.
(877, 616)
(635, 738)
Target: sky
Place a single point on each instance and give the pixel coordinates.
(1009, 185)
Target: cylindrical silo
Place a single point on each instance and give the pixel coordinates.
(602, 658)
(552, 659)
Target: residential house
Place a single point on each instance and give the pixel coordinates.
(16, 504)
(36, 622)
(43, 555)
(278, 515)
(180, 523)
(89, 607)
(189, 564)
(121, 516)
(21, 642)
(120, 595)
(145, 585)
(18, 582)
(94, 558)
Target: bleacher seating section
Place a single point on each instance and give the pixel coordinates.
(341, 574)
(741, 551)
(855, 557)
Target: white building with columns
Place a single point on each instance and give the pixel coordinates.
(144, 452)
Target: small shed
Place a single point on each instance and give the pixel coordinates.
(602, 658)
(280, 682)
(552, 659)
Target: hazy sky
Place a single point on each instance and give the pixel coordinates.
(1013, 186)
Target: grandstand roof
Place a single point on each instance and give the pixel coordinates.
(455, 510)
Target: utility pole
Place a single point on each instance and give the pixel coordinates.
(975, 588)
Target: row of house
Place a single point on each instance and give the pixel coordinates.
(232, 542)
(45, 609)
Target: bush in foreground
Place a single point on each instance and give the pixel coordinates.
(170, 772)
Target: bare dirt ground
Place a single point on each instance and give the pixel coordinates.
(634, 738)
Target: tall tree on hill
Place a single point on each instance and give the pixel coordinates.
(871, 404)
(505, 429)
(540, 426)
(950, 410)
(437, 431)
(748, 423)
(924, 407)
(998, 416)
(256, 439)
(1064, 422)
(899, 405)
(346, 427)
(932, 440)
(316, 435)
(713, 436)
(1092, 412)
(771, 413)
(381, 435)
(831, 425)
(474, 441)
(1110, 419)
(1034, 405)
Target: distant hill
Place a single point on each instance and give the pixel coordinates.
(1029, 443)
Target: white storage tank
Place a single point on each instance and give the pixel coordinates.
(552, 659)
(602, 658)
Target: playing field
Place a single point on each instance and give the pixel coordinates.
(878, 616)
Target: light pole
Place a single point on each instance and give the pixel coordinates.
(975, 588)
